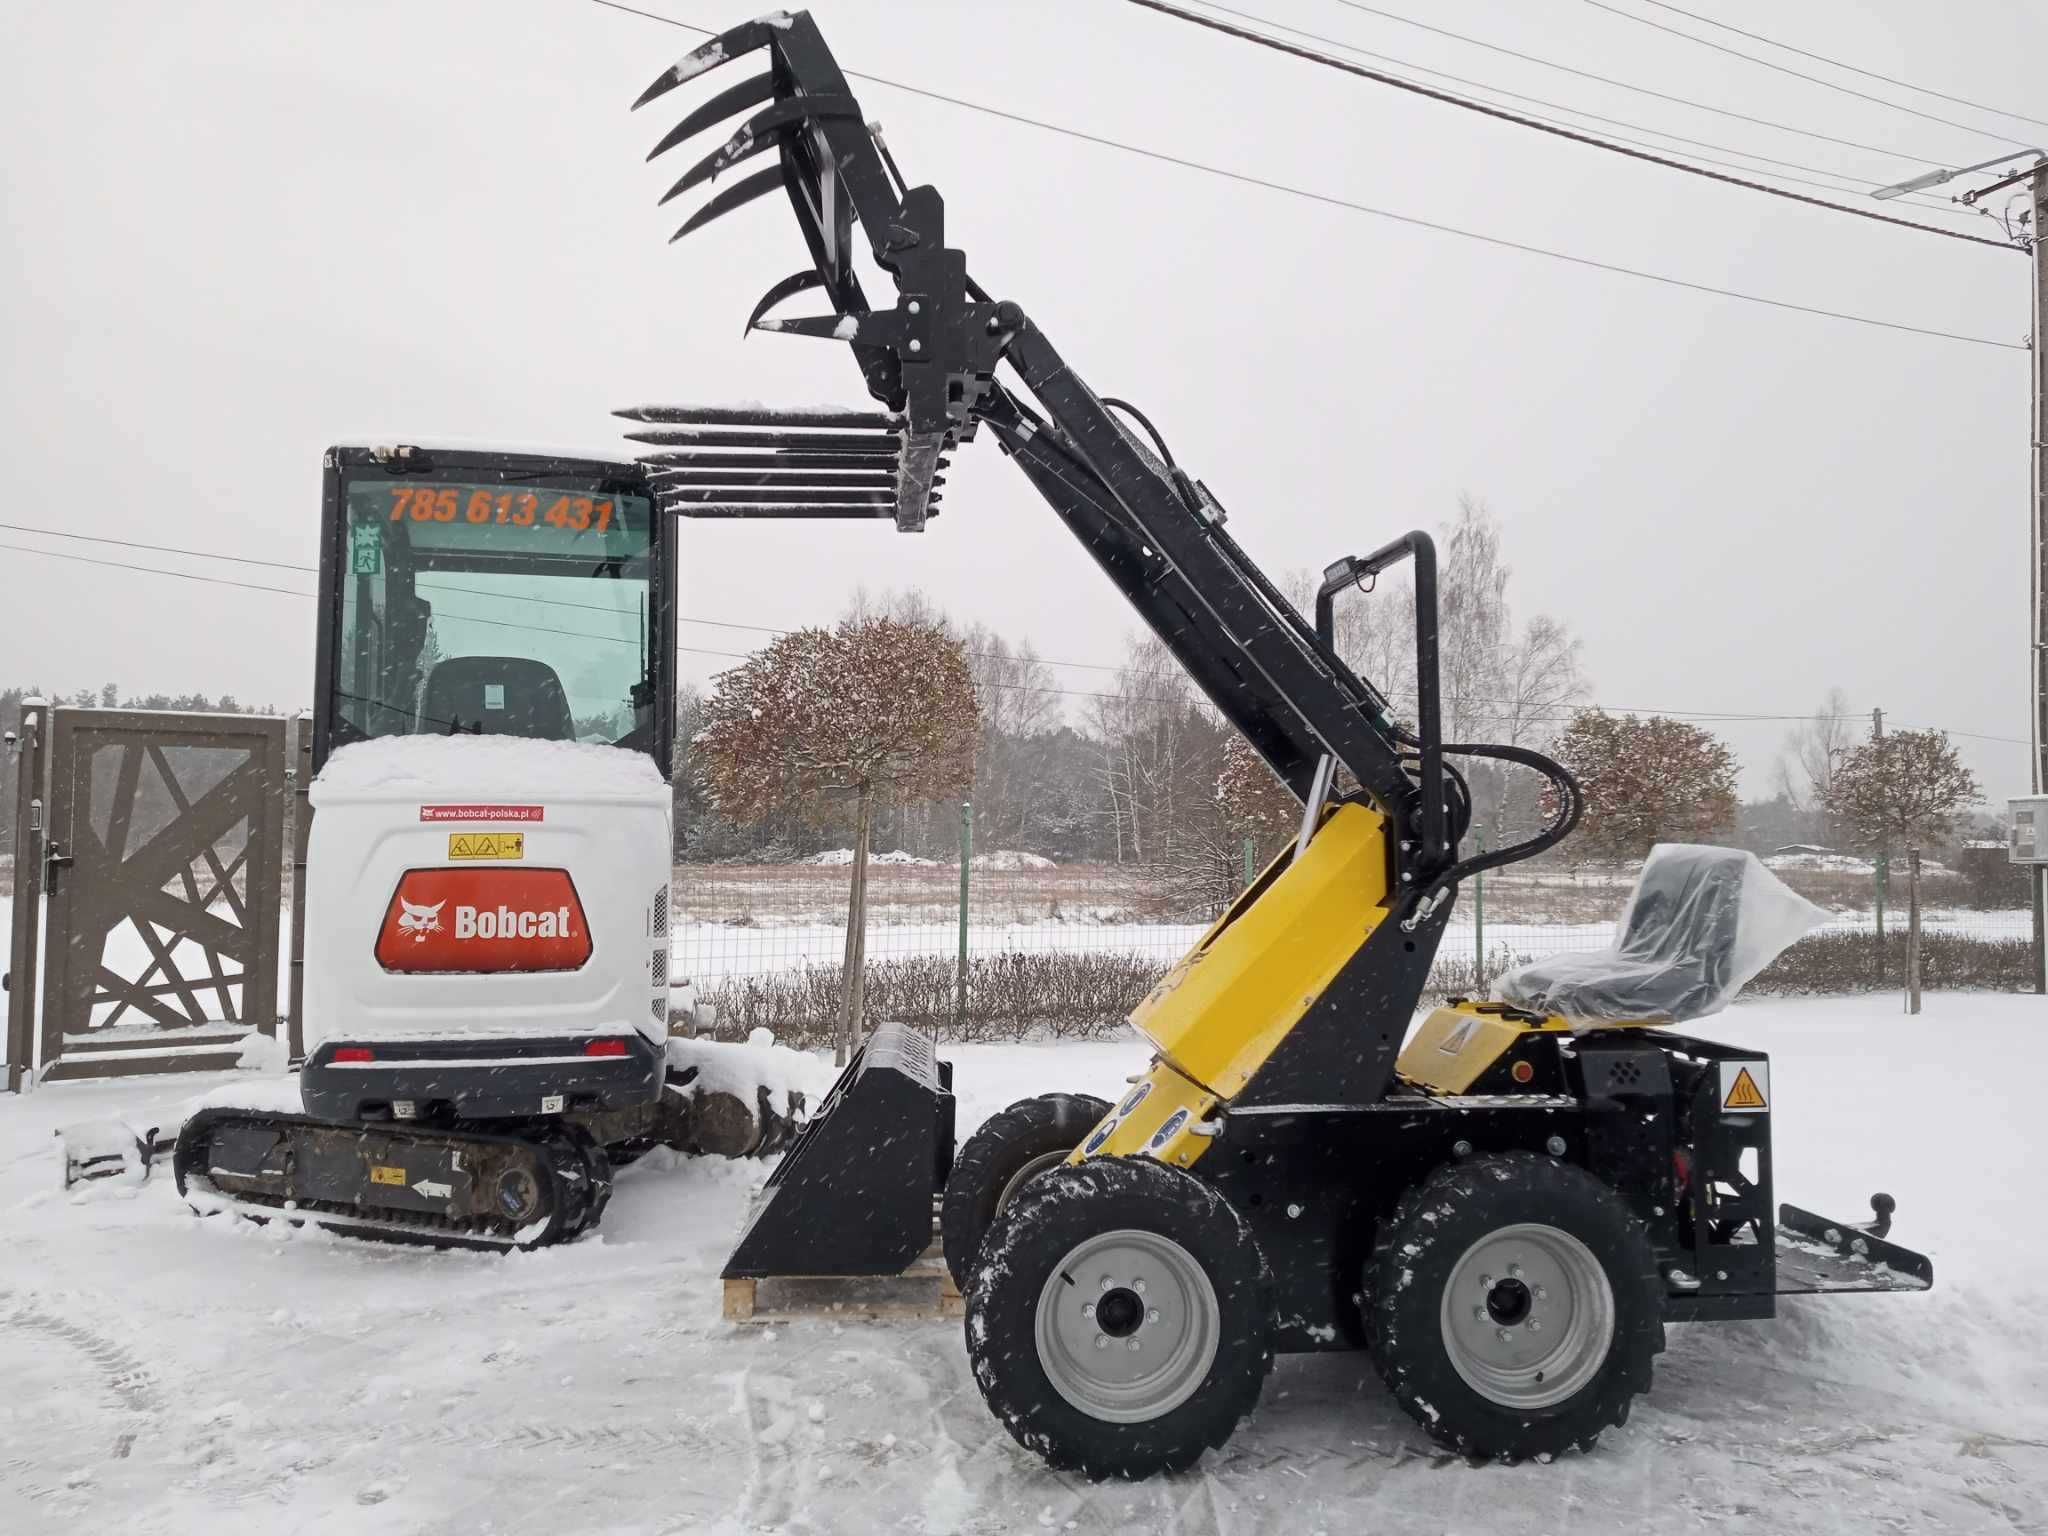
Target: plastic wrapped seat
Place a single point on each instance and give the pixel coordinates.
(1699, 925)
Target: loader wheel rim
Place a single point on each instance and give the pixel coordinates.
(1027, 1173)
(1528, 1316)
(1128, 1326)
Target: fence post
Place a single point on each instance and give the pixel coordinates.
(1881, 870)
(966, 862)
(1912, 930)
(1251, 860)
(28, 893)
(1479, 924)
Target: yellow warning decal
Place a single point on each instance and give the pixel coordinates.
(486, 845)
(382, 1175)
(1740, 1088)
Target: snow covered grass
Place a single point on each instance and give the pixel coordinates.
(172, 1375)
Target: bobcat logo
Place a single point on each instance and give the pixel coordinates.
(420, 921)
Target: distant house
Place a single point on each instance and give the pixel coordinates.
(1807, 850)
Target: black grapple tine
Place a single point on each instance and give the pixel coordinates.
(792, 458)
(823, 442)
(788, 288)
(741, 146)
(791, 479)
(776, 496)
(738, 195)
(756, 416)
(744, 38)
(785, 511)
(766, 129)
(746, 94)
(831, 327)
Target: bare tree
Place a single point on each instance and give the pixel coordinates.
(1498, 682)
(823, 718)
(1813, 750)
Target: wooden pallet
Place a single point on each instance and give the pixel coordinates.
(924, 1292)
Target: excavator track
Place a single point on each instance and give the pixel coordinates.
(446, 1187)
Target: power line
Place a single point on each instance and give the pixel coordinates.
(1640, 90)
(1329, 200)
(1797, 74)
(1868, 74)
(1942, 206)
(1557, 130)
(161, 549)
(213, 581)
(1549, 714)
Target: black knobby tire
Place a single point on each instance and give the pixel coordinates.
(1097, 1232)
(1499, 1227)
(1042, 1131)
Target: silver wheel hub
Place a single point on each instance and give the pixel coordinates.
(1127, 1326)
(1527, 1316)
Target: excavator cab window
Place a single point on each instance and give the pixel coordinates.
(502, 595)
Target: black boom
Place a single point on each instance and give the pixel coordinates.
(929, 360)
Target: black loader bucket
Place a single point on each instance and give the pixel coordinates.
(854, 1195)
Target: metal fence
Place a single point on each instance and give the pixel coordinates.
(1074, 945)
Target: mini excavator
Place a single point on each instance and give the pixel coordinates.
(486, 957)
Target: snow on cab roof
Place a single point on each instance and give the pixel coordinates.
(467, 766)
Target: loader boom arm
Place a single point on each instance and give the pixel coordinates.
(930, 362)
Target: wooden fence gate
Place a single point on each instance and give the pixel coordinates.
(158, 841)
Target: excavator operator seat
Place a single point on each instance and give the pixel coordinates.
(496, 696)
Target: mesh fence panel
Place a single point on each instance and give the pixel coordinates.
(1071, 948)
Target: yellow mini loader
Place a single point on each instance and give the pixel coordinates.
(1506, 1212)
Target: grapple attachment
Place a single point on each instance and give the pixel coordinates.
(854, 1195)
(929, 359)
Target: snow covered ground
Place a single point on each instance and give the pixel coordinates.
(164, 1374)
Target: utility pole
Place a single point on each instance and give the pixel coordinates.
(2035, 221)
(2037, 564)
(1882, 865)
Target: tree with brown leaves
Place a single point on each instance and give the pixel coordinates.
(1647, 781)
(1903, 789)
(826, 720)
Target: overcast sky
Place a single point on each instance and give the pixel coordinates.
(239, 232)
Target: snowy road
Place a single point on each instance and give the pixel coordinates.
(163, 1374)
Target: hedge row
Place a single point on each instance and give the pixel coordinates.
(1070, 996)
(1086, 996)
(1848, 962)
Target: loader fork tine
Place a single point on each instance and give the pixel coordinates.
(746, 94)
(744, 38)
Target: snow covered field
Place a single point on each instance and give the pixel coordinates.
(168, 1375)
(707, 952)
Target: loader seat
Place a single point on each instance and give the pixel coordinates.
(1673, 958)
(495, 696)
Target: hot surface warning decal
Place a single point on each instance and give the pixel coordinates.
(1746, 1085)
